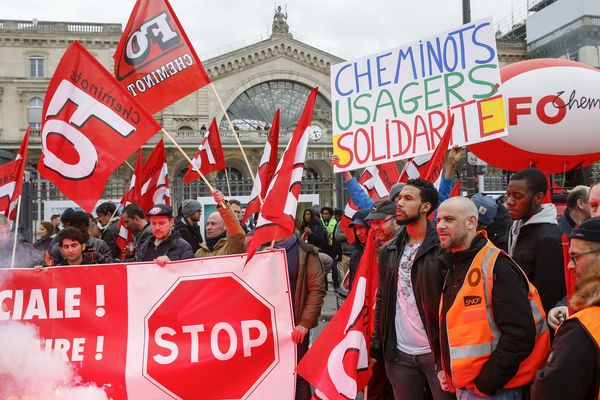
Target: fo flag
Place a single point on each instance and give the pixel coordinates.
(12, 180)
(376, 181)
(276, 219)
(132, 196)
(90, 125)
(155, 60)
(209, 157)
(266, 169)
(154, 179)
(337, 364)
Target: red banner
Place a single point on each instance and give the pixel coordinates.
(8, 182)
(140, 331)
(90, 125)
(209, 157)
(155, 60)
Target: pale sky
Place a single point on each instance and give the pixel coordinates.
(347, 28)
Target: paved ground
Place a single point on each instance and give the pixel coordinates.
(327, 312)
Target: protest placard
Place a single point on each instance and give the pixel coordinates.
(395, 104)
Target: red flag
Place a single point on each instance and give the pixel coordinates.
(377, 181)
(90, 125)
(8, 183)
(266, 169)
(130, 197)
(155, 60)
(337, 364)
(22, 162)
(415, 167)
(276, 219)
(209, 157)
(436, 165)
(154, 179)
(455, 190)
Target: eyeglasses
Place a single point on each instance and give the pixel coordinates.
(381, 221)
(575, 256)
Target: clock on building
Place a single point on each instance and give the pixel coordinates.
(315, 132)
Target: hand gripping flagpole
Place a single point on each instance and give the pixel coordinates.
(17, 217)
(237, 139)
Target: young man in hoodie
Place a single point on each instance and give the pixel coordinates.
(534, 241)
(573, 368)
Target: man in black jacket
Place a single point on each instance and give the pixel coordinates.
(534, 241)
(165, 244)
(406, 321)
(187, 223)
(573, 368)
(480, 359)
(577, 211)
(109, 226)
(134, 221)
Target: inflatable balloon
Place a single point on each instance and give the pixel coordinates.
(553, 117)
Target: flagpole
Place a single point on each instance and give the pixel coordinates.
(237, 139)
(129, 165)
(14, 249)
(227, 179)
(194, 168)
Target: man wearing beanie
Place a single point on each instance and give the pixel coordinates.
(494, 219)
(187, 223)
(572, 371)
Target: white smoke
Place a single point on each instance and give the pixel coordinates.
(29, 373)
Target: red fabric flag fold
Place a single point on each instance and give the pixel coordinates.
(130, 197)
(209, 157)
(436, 164)
(154, 60)
(277, 218)
(266, 169)
(21, 162)
(154, 179)
(337, 364)
(90, 125)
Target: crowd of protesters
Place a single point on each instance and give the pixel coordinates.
(471, 302)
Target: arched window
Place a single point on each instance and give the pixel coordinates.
(253, 110)
(34, 113)
(185, 131)
(239, 185)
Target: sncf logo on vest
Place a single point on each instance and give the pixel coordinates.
(471, 300)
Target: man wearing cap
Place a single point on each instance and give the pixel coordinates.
(383, 221)
(224, 234)
(164, 245)
(573, 368)
(187, 223)
(407, 306)
(494, 219)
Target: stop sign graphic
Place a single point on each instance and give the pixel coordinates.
(209, 337)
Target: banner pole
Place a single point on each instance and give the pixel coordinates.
(237, 139)
(227, 179)
(129, 165)
(194, 168)
(17, 217)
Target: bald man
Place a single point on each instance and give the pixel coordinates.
(489, 312)
(224, 235)
(577, 211)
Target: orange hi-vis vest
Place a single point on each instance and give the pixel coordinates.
(589, 317)
(472, 332)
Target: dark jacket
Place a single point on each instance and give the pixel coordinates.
(427, 279)
(538, 251)
(573, 368)
(511, 310)
(173, 247)
(88, 258)
(109, 235)
(566, 223)
(499, 229)
(101, 251)
(318, 235)
(190, 233)
(43, 243)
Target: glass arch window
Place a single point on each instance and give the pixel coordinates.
(34, 113)
(254, 109)
(185, 131)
